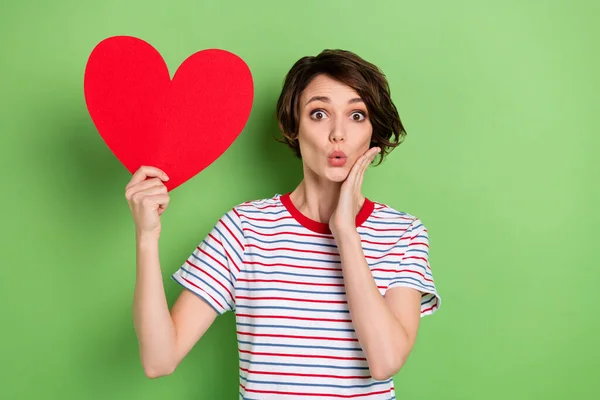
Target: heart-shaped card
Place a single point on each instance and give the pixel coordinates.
(180, 125)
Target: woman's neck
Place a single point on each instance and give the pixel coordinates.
(317, 198)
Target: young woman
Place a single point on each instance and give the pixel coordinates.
(327, 286)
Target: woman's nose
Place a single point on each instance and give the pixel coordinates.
(337, 133)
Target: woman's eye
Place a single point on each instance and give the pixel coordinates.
(358, 116)
(317, 114)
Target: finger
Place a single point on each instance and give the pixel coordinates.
(356, 167)
(373, 151)
(146, 172)
(163, 203)
(161, 209)
(379, 150)
(360, 170)
(361, 175)
(162, 200)
(146, 184)
(371, 156)
(157, 201)
(143, 186)
(368, 158)
(351, 178)
(141, 196)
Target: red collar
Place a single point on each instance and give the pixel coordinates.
(321, 227)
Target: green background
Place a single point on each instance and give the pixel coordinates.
(500, 101)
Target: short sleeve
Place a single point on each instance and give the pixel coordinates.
(414, 270)
(213, 267)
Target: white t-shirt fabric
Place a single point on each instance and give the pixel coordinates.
(280, 273)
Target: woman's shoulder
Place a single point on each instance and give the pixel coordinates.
(387, 212)
(260, 205)
(387, 218)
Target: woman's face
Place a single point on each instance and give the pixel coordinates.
(334, 128)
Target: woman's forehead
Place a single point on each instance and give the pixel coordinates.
(326, 89)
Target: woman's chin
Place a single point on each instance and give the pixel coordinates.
(328, 173)
(336, 174)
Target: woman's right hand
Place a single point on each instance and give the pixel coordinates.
(147, 198)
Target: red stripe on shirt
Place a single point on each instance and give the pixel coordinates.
(291, 266)
(344, 396)
(290, 282)
(255, 353)
(294, 318)
(199, 288)
(249, 371)
(234, 236)
(296, 250)
(269, 220)
(295, 283)
(412, 271)
(292, 299)
(296, 336)
(210, 276)
(290, 233)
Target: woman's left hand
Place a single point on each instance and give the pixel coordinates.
(344, 216)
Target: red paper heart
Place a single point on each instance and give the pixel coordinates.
(179, 125)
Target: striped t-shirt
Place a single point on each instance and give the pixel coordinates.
(280, 272)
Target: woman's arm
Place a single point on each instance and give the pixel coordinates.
(386, 327)
(164, 337)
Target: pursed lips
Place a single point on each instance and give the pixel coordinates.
(337, 154)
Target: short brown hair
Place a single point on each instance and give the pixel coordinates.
(346, 67)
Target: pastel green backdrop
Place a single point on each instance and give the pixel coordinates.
(500, 101)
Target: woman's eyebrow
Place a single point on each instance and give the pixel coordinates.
(328, 100)
(319, 98)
